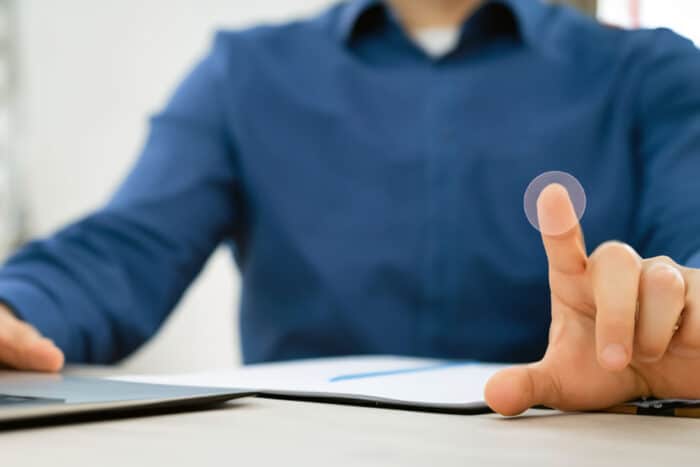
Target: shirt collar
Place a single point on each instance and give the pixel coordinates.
(350, 15)
(527, 14)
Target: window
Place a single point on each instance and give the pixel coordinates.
(679, 15)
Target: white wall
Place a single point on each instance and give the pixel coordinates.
(90, 73)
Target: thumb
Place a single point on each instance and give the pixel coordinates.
(514, 390)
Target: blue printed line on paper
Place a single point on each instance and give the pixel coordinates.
(418, 369)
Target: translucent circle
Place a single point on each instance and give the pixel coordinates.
(568, 181)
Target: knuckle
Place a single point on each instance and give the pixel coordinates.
(23, 328)
(28, 329)
(618, 252)
(665, 276)
(15, 335)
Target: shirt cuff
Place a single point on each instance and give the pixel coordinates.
(694, 261)
(34, 306)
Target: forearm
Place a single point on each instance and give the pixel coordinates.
(92, 287)
(102, 286)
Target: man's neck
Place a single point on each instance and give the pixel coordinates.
(421, 14)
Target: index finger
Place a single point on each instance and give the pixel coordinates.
(561, 231)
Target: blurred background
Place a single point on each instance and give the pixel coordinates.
(78, 80)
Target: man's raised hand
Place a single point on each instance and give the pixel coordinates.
(622, 327)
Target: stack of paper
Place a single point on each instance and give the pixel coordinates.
(425, 384)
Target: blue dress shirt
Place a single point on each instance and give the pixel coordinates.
(372, 196)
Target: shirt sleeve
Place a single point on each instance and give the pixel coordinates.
(668, 142)
(101, 286)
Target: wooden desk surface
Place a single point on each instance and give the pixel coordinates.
(272, 432)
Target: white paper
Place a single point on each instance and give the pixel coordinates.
(411, 381)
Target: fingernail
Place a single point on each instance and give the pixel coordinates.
(614, 356)
(555, 213)
(665, 269)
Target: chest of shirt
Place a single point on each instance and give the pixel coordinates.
(361, 151)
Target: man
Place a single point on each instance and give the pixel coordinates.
(367, 168)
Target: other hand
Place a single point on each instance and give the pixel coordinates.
(23, 348)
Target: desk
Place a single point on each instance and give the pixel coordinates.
(252, 432)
